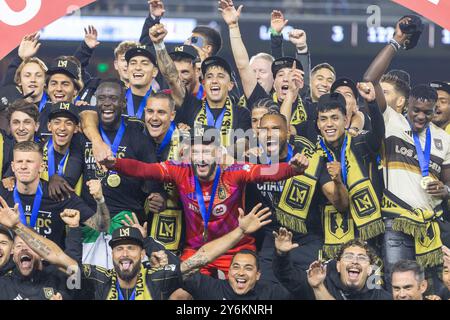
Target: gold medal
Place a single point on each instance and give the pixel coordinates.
(425, 181)
(113, 180)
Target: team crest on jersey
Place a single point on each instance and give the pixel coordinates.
(438, 144)
(48, 293)
(219, 210)
(222, 193)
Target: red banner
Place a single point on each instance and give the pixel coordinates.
(21, 17)
(437, 11)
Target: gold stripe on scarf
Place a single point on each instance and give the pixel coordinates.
(338, 229)
(167, 225)
(418, 223)
(299, 115)
(142, 291)
(227, 123)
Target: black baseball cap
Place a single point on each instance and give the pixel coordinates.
(7, 232)
(345, 82)
(125, 233)
(203, 134)
(441, 85)
(66, 109)
(141, 50)
(215, 61)
(333, 100)
(285, 62)
(66, 67)
(185, 50)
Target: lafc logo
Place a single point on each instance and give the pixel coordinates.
(124, 232)
(364, 203)
(64, 106)
(179, 49)
(166, 229)
(298, 194)
(199, 131)
(62, 64)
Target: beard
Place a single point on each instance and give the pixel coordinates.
(210, 172)
(126, 275)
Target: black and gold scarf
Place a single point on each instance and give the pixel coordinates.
(299, 115)
(167, 225)
(364, 213)
(421, 224)
(142, 291)
(227, 123)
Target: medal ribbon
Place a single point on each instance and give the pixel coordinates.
(167, 138)
(120, 295)
(130, 104)
(43, 101)
(51, 160)
(34, 211)
(423, 155)
(330, 157)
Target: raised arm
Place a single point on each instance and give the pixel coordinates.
(295, 84)
(277, 24)
(249, 223)
(231, 17)
(101, 220)
(166, 65)
(335, 190)
(156, 11)
(298, 38)
(382, 61)
(139, 169)
(86, 49)
(47, 249)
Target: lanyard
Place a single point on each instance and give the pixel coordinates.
(167, 138)
(130, 104)
(199, 95)
(43, 101)
(51, 160)
(119, 135)
(331, 158)
(210, 118)
(201, 200)
(423, 155)
(120, 295)
(34, 211)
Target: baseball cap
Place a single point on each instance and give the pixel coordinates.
(141, 50)
(66, 67)
(285, 62)
(441, 85)
(64, 109)
(333, 100)
(7, 232)
(215, 61)
(126, 233)
(345, 82)
(185, 50)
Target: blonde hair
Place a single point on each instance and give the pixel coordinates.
(35, 60)
(123, 47)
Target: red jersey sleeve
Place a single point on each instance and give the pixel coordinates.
(254, 173)
(145, 171)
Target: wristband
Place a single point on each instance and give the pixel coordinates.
(395, 44)
(159, 46)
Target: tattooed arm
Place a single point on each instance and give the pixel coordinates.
(166, 65)
(212, 250)
(47, 249)
(101, 220)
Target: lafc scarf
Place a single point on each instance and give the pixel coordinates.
(142, 292)
(420, 224)
(298, 191)
(44, 174)
(167, 225)
(299, 115)
(364, 213)
(227, 123)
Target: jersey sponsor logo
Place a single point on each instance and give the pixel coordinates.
(298, 194)
(219, 210)
(364, 203)
(167, 228)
